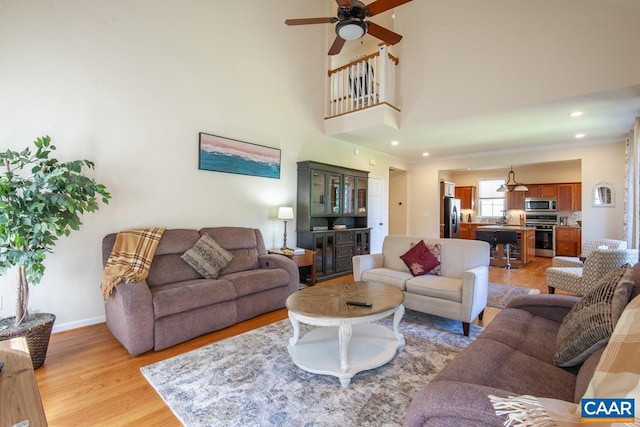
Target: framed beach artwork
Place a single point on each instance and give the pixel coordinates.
(228, 155)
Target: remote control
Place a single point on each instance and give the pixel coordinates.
(359, 304)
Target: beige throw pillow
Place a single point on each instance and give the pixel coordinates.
(207, 257)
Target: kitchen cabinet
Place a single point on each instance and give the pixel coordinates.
(515, 200)
(568, 241)
(331, 216)
(541, 190)
(570, 196)
(447, 189)
(465, 231)
(467, 196)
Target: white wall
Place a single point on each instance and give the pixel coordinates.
(599, 163)
(129, 85)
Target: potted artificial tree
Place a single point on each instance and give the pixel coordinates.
(41, 199)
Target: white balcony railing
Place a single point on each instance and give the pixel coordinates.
(363, 83)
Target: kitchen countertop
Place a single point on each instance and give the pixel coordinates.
(506, 227)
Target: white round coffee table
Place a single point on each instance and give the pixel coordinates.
(346, 341)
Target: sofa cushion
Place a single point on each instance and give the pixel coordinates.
(388, 276)
(188, 295)
(419, 259)
(207, 257)
(590, 322)
(253, 281)
(245, 244)
(494, 364)
(525, 332)
(439, 287)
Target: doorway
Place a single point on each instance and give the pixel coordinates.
(397, 201)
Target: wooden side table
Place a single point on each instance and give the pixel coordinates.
(19, 394)
(307, 259)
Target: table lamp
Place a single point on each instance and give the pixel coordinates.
(285, 213)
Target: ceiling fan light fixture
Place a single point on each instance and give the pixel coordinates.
(351, 29)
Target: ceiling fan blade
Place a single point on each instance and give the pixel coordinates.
(380, 6)
(382, 33)
(305, 21)
(344, 3)
(336, 47)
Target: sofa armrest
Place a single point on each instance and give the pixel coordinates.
(362, 263)
(475, 292)
(281, 261)
(553, 307)
(452, 403)
(129, 314)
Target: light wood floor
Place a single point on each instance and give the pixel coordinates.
(90, 379)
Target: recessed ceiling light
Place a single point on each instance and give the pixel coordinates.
(580, 135)
(576, 114)
(394, 142)
(425, 154)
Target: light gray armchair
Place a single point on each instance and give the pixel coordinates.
(579, 280)
(588, 247)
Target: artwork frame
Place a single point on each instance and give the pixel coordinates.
(604, 195)
(221, 154)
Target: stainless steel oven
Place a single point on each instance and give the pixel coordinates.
(545, 225)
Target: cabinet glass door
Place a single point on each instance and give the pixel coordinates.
(361, 198)
(334, 194)
(349, 202)
(318, 192)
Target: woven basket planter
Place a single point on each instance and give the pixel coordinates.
(37, 330)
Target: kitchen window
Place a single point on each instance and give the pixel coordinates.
(491, 203)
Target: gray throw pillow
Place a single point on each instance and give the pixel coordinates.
(589, 324)
(207, 257)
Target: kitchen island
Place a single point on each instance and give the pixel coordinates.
(521, 253)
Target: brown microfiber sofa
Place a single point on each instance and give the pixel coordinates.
(176, 303)
(513, 356)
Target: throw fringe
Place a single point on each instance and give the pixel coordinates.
(526, 411)
(109, 283)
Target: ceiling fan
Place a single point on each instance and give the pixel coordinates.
(350, 23)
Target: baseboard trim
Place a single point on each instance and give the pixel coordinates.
(78, 324)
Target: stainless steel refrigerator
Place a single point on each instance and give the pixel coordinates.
(451, 217)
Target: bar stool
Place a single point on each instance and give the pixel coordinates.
(487, 236)
(507, 238)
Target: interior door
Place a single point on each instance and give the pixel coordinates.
(374, 215)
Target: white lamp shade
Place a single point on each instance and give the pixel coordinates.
(285, 213)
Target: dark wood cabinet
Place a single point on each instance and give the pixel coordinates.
(515, 199)
(541, 190)
(467, 196)
(568, 241)
(570, 197)
(332, 216)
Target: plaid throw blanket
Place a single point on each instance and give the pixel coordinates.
(130, 258)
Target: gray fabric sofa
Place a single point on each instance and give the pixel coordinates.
(176, 303)
(512, 356)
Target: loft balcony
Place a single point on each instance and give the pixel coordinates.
(362, 96)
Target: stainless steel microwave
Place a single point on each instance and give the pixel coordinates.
(543, 204)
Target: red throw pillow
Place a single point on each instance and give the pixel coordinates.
(420, 260)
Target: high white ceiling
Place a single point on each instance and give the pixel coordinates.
(608, 115)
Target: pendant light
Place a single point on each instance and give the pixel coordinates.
(504, 188)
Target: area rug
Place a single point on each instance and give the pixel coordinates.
(500, 295)
(249, 380)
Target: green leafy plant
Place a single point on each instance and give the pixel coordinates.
(41, 199)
